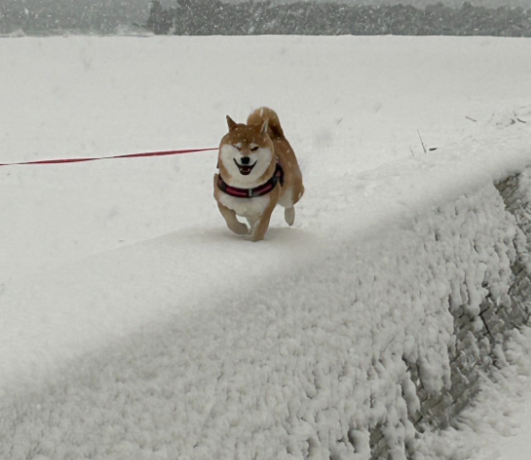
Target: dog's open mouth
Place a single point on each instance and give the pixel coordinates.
(245, 170)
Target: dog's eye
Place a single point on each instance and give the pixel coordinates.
(254, 149)
(238, 147)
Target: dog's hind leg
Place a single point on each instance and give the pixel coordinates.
(290, 200)
(286, 200)
(289, 215)
(232, 221)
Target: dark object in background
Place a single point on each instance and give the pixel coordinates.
(160, 20)
(212, 17)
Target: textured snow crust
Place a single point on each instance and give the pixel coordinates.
(298, 370)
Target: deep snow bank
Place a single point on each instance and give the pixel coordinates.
(353, 356)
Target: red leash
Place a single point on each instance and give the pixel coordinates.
(131, 155)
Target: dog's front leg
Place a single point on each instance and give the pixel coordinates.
(232, 221)
(252, 222)
(261, 225)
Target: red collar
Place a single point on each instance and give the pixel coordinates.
(261, 190)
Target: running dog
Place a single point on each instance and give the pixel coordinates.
(257, 170)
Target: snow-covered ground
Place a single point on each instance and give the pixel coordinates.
(128, 309)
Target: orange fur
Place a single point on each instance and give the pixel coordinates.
(263, 131)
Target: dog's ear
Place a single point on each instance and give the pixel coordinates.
(264, 128)
(232, 124)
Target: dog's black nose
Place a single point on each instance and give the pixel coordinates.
(245, 160)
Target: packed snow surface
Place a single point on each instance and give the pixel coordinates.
(134, 325)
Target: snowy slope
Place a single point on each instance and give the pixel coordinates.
(357, 102)
(134, 324)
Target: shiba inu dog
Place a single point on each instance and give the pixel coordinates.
(257, 170)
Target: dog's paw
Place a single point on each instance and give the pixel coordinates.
(255, 237)
(289, 216)
(240, 228)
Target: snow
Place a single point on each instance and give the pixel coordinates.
(517, 448)
(497, 425)
(134, 325)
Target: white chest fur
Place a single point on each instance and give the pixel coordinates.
(245, 207)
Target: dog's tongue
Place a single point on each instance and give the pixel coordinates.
(245, 170)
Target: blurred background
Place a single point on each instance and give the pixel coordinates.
(231, 17)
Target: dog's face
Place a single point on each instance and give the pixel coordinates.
(245, 155)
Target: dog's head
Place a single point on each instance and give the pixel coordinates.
(246, 155)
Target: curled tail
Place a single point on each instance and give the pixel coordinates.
(263, 114)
